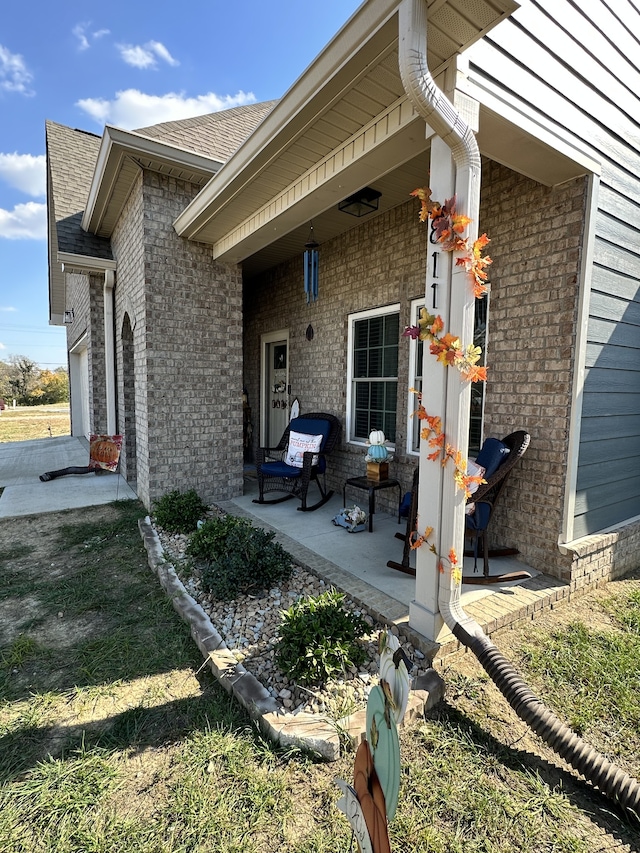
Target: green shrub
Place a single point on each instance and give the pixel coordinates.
(179, 512)
(319, 638)
(237, 557)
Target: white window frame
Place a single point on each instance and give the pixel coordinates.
(353, 318)
(413, 424)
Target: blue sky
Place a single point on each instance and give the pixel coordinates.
(130, 64)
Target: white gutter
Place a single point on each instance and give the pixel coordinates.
(441, 115)
(109, 352)
(84, 263)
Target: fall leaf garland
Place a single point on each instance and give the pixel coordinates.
(448, 226)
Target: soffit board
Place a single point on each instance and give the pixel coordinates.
(122, 155)
(362, 86)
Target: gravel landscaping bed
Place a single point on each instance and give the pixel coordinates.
(250, 624)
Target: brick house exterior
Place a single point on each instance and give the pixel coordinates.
(206, 264)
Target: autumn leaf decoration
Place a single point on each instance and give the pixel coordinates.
(432, 432)
(448, 227)
(452, 559)
(447, 348)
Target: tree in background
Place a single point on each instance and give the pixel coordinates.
(53, 387)
(21, 379)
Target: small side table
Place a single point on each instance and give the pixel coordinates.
(372, 486)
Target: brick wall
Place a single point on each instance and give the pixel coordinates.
(536, 234)
(531, 337)
(130, 323)
(84, 297)
(186, 319)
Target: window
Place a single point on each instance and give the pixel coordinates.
(477, 388)
(373, 372)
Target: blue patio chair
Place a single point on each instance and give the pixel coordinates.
(498, 458)
(299, 459)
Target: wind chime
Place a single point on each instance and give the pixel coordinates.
(311, 268)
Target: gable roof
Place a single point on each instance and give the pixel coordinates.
(79, 161)
(345, 124)
(71, 159)
(215, 135)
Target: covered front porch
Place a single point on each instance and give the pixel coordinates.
(356, 563)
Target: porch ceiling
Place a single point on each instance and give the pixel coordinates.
(345, 124)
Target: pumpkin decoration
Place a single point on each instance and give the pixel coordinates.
(377, 451)
(104, 451)
(376, 436)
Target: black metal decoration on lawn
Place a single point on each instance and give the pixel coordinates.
(370, 803)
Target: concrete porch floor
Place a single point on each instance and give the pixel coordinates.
(356, 563)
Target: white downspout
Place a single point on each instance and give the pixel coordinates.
(109, 352)
(442, 116)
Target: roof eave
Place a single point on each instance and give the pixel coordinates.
(275, 132)
(118, 144)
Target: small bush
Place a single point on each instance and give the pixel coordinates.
(179, 512)
(237, 557)
(319, 638)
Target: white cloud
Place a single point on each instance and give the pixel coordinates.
(80, 32)
(14, 74)
(132, 108)
(24, 172)
(7, 308)
(2, 346)
(25, 222)
(146, 55)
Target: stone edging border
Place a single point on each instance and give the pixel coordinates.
(310, 731)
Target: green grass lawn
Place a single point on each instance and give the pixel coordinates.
(112, 737)
(27, 422)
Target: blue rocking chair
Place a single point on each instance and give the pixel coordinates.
(299, 459)
(498, 458)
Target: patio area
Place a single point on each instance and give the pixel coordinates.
(356, 563)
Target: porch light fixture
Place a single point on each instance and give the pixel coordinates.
(311, 267)
(360, 203)
(68, 316)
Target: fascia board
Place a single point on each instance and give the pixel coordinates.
(115, 146)
(85, 263)
(278, 128)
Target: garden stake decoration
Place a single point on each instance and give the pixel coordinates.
(447, 228)
(370, 803)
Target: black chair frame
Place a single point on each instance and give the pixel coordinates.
(488, 493)
(298, 486)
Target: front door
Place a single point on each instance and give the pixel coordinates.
(275, 393)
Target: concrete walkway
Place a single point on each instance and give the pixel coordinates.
(22, 462)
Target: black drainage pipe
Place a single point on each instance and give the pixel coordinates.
(607, 777)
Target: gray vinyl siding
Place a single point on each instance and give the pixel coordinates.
(576, 66)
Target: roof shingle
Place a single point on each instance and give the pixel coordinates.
(216, 135)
